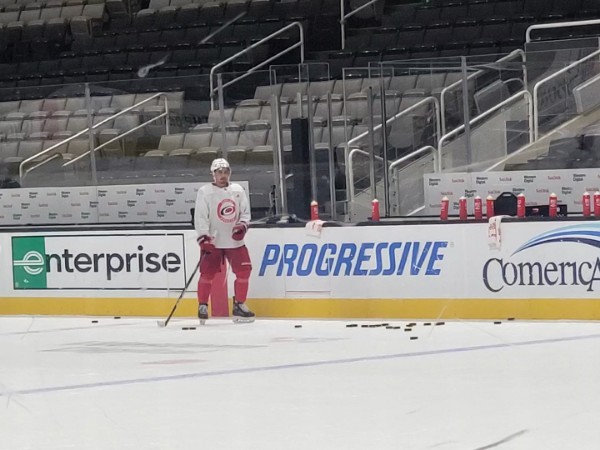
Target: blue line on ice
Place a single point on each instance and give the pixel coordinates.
(244, 370)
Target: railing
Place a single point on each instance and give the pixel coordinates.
(23, 172)
(475, 75)
(525, 94)
(536, 88)
(436, 165)
(542, 26)
(404, 112)
(350, 167)
(222, 27)
(213, 70)
(344, 17)
(427, 148)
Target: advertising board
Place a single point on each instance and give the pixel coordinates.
(96, 261)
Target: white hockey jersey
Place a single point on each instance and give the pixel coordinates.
(218, 210)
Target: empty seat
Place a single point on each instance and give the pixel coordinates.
(57, 122)
(196, 141)
(246, 113)
(171, 142)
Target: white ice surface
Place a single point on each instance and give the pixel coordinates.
(66, 383)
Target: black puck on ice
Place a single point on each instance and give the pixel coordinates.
(440, 323)
(412, 338)
(497, 322)
(297, 326)
(412, 324)
(188, 328)
(408, 329)
(427, 324)
(94, 321)
(365, 326)
(351, 325)
(117, 317)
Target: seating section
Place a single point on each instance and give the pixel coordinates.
(571, 152)
(130, 50)
(457, 28)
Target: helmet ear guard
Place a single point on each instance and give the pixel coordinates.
(219, 163)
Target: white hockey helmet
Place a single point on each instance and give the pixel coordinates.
(219, 163)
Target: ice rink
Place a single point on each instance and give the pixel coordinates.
(68, 383)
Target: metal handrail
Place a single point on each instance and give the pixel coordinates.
(116, 138)
(86, 130)
(436, 164)
(436, 106)
(350, 166)
(344, 16)
(222, 27)
(404, 112)
(427, 148)
(477, 75)
(576, 23)
(300, 44)
(536, 88)
(483, 115)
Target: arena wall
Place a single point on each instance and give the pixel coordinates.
(540, 269)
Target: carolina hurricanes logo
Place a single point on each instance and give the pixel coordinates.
(227, 211)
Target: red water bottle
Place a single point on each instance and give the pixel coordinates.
(586, 204)
(478, 208)
(597, 204)
(444, 208)
(462, 208)
(521, 205)
(314, 210)
(552, 205)
(489, 207)
(375, 210)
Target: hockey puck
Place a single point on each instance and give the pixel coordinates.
(412, 338)
(94, 321)
(188, 328)
(351, 325)
(440, 323)
(364, 326)
(384, 325)
(297, 326)
(497, 322)
(412, 324)
(408, 329)
(427, 324)
(117, 317)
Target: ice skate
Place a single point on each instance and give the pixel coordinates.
(241, 313)
(202, 313)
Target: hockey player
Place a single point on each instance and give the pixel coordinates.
(221, 221)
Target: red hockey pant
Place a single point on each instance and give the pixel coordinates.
(238, 259)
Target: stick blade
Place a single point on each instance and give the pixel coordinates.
(161, 323)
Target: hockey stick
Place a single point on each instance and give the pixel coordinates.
(164, 323)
